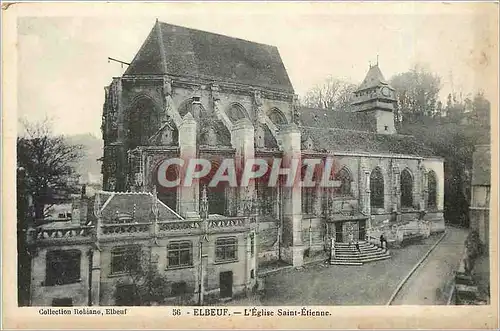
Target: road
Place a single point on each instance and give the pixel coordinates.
(370, 284)
(430, 282)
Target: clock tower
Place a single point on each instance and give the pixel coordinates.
(376, 97)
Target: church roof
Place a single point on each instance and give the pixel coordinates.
(373, 78)
(177, 50)
(342, 140)
(327, 118)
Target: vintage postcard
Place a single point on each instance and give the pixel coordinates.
(291, 165)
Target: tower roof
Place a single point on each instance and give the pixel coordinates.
(373, 78)
(181, 51)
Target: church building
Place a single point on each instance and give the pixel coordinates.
(194, 94)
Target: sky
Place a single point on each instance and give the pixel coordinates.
(62, 57)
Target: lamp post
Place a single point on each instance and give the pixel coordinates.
(204, 237)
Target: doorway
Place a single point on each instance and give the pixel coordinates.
(226, 284)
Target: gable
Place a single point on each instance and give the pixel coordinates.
(176, 50)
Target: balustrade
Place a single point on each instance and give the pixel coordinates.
(179, 225)
(70, 232)
(130, 228)
(227, 222)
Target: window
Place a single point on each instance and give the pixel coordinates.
(406, 189)
(180, 254)
(226, 249)
(432, 190)
(308, 197)
(308, 193)
(267, 198)
(125, 259)
(62, 302)
(377, 188)
(216, 197)
(252, 274)
(62, 267)
(386, 128)
(252, 244)
(277, 117)
(179, 288)
(345, 182)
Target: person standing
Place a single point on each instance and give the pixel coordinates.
(382, 240)
(357, 247)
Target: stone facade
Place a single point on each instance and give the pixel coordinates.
(152, 227)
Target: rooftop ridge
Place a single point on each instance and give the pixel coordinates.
(217, 34)
(362, 131)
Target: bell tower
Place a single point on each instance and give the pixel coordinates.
(376, 97)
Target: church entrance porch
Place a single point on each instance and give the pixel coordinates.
(345, 231)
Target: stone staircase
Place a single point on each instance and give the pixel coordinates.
(345, 255)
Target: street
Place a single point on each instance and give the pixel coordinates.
(370, 284)
(429, 284)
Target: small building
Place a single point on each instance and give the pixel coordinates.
(93, 259)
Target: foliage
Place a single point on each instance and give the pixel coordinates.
(417, 93)
(46, 165)
(473, 245)
(334, 94)
(473, 250)
(151, 286)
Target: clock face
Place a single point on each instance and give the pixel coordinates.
(386, 91)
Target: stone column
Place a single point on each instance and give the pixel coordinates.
(243, 142)
(96, 278)
(188, 197)
(425, 190)
(396, 193)
(367, 204)
(292, 199)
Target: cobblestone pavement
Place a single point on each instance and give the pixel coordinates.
(429, 284)
(370, 284)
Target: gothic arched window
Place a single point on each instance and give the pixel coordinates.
(236, 113)
(142, 122)
(377, 189)
(344, 177)
(277, 117)
(406, 189)
(308, 195)
(431, 189)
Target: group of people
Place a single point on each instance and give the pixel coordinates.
(382, 241)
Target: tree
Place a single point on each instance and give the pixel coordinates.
(150, 286)
(334, 94)
(48, 163)
(417, 93)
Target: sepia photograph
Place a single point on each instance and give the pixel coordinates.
(274, 157)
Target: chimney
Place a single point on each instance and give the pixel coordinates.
(84, 191)
(75, 212)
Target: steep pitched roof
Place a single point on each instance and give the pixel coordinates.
(326, 118)
(139, 205)
(176, 50)
(373, 78)
(339, 140)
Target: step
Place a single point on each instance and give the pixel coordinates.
(354, 251)
(361, 256)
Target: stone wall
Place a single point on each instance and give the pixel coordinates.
(42, 295)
